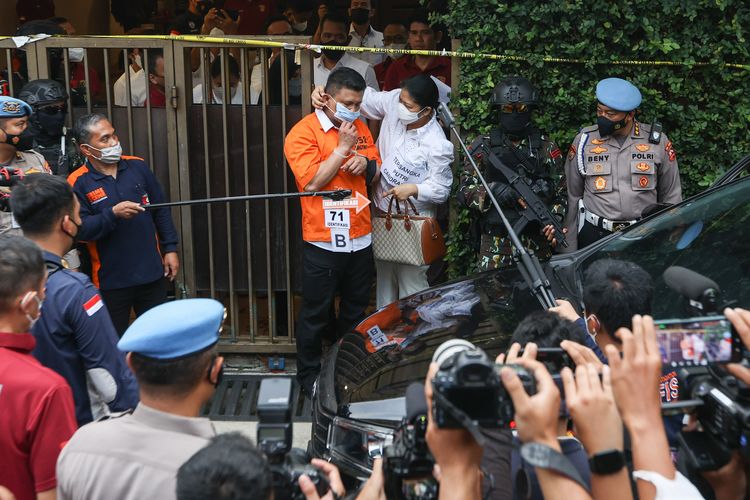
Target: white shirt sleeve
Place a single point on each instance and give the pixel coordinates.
(678, 488)
(437, 184)
(198, 94)
(376, 104)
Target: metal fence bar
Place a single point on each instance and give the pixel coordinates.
(149, 125)
(207, 171)
(9, 59)
(107, 79)
(284, 67)
(86, 79)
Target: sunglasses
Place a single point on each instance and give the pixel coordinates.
(510, 108)
(53, 110)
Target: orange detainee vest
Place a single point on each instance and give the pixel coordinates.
(306, 147)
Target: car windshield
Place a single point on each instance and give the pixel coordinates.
(709, 235)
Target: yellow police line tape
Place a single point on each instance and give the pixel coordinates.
(447, 53)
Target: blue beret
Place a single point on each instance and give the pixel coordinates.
(618, 94)
(10, 107)
(174, 329)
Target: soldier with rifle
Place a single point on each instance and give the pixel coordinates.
(524, 172)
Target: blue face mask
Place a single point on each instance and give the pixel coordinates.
(345, 114)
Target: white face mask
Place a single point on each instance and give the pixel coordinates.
(75, 55)
(219, 93)
(299, 26)
(408, 117)
(395, 46)
(137, 61)
(110, 155)
(25, 300)
(586, 322)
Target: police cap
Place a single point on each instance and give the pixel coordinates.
(175, 329)
(10, 107)
(618, 94)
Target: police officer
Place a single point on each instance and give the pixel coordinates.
(522, 147)
(48, 100)
(617, 167)
(172, 351)
(14, 118)
(75, 336)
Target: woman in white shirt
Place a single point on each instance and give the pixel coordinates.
(416, 164)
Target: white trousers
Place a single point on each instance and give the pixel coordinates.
(396, 281)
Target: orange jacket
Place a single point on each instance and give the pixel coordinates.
(308, 145)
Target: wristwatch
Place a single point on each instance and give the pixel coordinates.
(544, 457)
(607, 462)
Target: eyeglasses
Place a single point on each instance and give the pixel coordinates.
(510, 108)
(53, 110)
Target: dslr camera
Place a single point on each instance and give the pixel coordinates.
(467, 389)
(274, 438)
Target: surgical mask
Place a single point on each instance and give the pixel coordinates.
(138, 61)
(395, 46)
(408, 117)
(75, 55)
(25, 300)
(360, 16)
(299, 27)
(607, 127)
(110, 155)
(219, 93)
(12, 139)
(343, 113)
(515, 123)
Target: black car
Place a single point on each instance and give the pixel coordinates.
(359, 397)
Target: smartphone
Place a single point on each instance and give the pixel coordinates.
(698, 341)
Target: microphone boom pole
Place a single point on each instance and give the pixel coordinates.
(337, 195)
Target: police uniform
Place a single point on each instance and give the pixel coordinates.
(545, 160)
(75, 337)
(135, 455)
(610, 182)
(28, 162)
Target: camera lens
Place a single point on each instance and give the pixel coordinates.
(449, 348)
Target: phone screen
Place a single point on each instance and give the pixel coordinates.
(697, 341)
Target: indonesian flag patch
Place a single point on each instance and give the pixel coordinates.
(93, 304)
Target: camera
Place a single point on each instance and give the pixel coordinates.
(274, 438)
(407, 462)
(467, 388)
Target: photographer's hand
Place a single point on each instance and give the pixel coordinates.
(592, 407)
(536, 421)
(334, 481)
(455, 451)
(581, 355)
(635, 383)
(529, 352)
(373, 489)
(740, 319)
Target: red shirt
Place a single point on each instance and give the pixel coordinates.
(37, 418)
(253, 14)
(404, 68)
(77, 78)
(156, 97)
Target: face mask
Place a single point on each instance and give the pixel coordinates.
(26, 140)
(137, 61)
(408, 117)
(333, 55)
(74, 237)
(515, 123)
(344, 114)
(51, 124)
(299, 27)
(13, 140)
(607, 127)
(110, 155)
(25, 300)
(75, 55)
(395, 46)
(204, 7)
(586, 321)
(360, 16)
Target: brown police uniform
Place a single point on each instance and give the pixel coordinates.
(615, 182)
(130, 456)
(29, 162)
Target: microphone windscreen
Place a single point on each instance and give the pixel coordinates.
(416, 404)
(688, 283)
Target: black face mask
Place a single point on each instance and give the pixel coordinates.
(515, 123)
(360, 16)
(333, 55)
(51, 124)
(75, 236)
(25, 140)
(204, 7)
(13, 140)
(607, 127)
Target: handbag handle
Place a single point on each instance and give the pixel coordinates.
(389, 215)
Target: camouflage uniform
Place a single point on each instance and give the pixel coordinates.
(546, 179)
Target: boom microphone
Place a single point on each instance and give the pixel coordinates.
(703, 293)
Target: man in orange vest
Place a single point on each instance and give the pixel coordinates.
(332, 149)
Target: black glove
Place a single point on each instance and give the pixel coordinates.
(504, 194)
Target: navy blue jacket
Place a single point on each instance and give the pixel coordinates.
(124, 253)
(75, 337)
